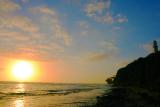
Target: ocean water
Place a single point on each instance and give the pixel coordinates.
(49, 95)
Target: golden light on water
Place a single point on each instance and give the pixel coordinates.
(19, 103)
(20, 88)
(22, 70)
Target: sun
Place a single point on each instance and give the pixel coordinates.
(22, 70)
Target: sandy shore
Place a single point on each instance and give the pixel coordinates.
(129, 97)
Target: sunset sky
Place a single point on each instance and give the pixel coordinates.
(76, 41)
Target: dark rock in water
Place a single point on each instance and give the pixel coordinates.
(143, 73)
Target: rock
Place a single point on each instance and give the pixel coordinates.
(143, 73)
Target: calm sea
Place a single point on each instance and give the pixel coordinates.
(49, 95)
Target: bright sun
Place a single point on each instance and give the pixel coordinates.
(22, 70)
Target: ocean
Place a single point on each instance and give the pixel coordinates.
(49, 94)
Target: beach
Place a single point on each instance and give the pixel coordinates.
(129, 97)
(49, 94)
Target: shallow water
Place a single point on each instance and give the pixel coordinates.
(49, 95)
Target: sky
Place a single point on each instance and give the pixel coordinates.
(76, 41)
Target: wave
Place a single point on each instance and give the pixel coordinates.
(44, 92)
(66, 92)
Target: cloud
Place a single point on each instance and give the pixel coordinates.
(13, 35)
(109, 48)
(10, 18)
(43, 10)
(20, 45)
(1, 69)
(8, 6)
(18, 22)
(39, 37)
(84, 24)
(96, 8)
(74, 2)
(84, 27)
(121, 19)
(14, 27)
(50, 18)
(100, 12)
(25, 1)
(107, 18)
(97, 56)
(116, 28)
(147, 47)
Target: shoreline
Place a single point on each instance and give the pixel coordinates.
(128, 97)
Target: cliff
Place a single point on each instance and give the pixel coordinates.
(143, 73)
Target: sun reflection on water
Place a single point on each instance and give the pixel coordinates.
(19, 103)
(20, 88)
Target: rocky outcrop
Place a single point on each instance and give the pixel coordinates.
(143, 73)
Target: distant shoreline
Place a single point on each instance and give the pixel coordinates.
(52, 83)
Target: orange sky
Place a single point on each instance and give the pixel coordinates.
(60, 71)
(75, 42)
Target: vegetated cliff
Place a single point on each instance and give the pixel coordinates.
(143, 73)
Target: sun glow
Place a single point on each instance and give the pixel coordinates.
(22, 70)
